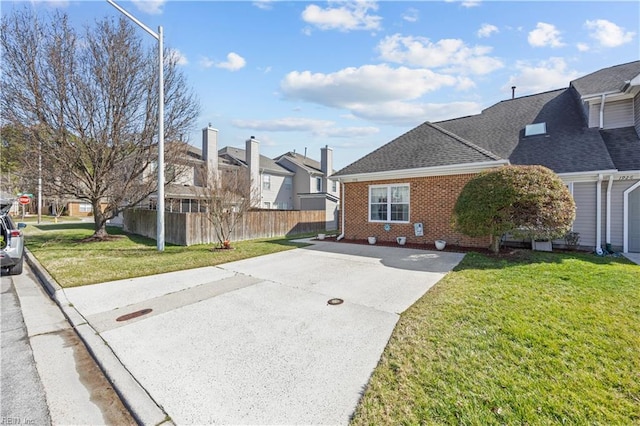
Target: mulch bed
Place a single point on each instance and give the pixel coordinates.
(505, 252)
(419, 246)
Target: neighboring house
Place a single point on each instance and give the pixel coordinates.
(289, 182)
(587, 133)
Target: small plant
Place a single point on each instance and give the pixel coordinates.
(571, 239)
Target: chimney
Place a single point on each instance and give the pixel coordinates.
(210, 152)
(252, 158)
(326, 165)
(513, 92)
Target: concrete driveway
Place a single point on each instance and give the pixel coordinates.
(256, 341)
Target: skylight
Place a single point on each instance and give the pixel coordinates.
(535, 129)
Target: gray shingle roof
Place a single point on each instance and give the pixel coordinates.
(624, 147)
(266, 163)
(498, 132)
(606, 79)
(568, 146)
(428, 145)
(309, 164)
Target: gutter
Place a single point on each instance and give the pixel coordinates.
(341, 236)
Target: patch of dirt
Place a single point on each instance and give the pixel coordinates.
(94, 239)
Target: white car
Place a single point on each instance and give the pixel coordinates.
(11, 240)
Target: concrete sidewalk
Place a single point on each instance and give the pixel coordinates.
(257, 341)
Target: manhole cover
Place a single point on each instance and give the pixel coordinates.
(335, 301)
(133, 315)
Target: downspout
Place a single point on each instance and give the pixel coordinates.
(341, 236)
(599, 214)
(602, 111)
(608, 224)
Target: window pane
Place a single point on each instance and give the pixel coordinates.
(379, 195)
(378, 212)
(399, 194)
(400, 212)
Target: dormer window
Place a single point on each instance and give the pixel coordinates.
(535, 129)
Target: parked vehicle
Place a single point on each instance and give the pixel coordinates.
(11, 240)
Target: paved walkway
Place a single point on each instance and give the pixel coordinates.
(257, 341)
(634, 257)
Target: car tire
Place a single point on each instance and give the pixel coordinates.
(17, 268)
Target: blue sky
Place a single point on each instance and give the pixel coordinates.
(355, 75)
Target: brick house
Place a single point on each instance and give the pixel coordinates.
(586, 133)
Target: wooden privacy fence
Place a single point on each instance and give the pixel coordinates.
(195, 228)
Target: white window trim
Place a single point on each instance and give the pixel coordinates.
(389, 186)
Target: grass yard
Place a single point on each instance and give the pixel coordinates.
(72, 262)
(547, 338)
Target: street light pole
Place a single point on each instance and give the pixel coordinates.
(160, 204)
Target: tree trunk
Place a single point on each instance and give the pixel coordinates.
(495, 243)
(100, 223)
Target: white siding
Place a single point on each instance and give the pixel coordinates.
(584, 195)
(277, 195)
(617, 114)
(617, 211)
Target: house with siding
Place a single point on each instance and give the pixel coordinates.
(587, 133)
(288, 182)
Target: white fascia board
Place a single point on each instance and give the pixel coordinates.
(635, 81)
(454, 169)
(597, 96)
(590, 176)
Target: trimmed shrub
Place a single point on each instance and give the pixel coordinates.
(525, 201)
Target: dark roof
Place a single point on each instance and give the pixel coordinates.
(302, 160)
(428, 145)
(266, 163)
(624, 147)
(607, 79)
(568, 146)
(498, 132)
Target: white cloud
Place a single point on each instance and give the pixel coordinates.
(486, 30)
(410, 15)
(471, 3)
(583, 47)
(362, 93)
(152, 7)
(296, 124)
(545, 35)
(263, 4)
(366, 84)
(206, 62)
(553, 73)
(178, 57)
(608, 34)
(234, 62)
(54, 4)
(412, 114)
(452, 54)
(347, 16)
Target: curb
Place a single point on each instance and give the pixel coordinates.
(144, 409)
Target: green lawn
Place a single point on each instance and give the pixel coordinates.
(70, 262)
(544, 339)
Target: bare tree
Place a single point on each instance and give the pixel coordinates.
(89, 102)
(228, 198)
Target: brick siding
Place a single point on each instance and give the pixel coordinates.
(432, 200)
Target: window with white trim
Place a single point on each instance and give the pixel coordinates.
(85, 208)
(389, 203)
(266, 182)
(319, 184)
